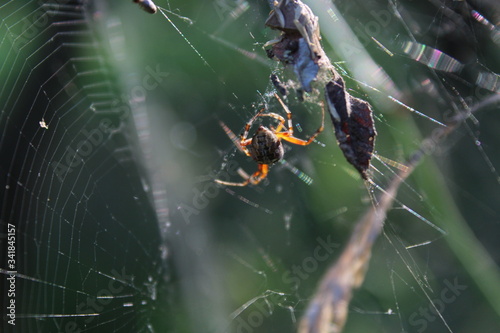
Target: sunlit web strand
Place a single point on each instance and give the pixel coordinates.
(388, 162)
(485, 157)
(247, 265)
(394, 99)
(393, 286)
(264, 295)
(409, 108)
(394, 293)
(470, 116)
(301, 175)
(418, 245)
(420, 283)
(385, 49)
(388, 312)
(421, 218)
(264, 255)
(477, 142)
(184, 18)
(431, 57)
(409, 31)
(481, 19)
(411, 211)
(162, 11)
(248, 202)
(54, 285)
(490, 165)
(249, 54)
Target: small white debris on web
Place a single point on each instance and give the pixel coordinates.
(43, 124)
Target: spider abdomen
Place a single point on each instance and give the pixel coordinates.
(266, 147)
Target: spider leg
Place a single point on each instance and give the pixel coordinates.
(278, 117)
(260, 174)
(288, 114)
(254, 179)
(237, 142)
(288, 135)
(244, 135)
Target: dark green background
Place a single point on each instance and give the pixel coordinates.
(193, 274)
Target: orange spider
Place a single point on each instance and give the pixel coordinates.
(265, 146)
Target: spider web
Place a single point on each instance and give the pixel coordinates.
(110, 140)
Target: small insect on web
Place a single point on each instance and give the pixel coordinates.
(43, 124)
(265, 146)
(353, 123)
(148, 5)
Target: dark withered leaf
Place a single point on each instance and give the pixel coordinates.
(353, 123)
(299, 43)
(305, 68)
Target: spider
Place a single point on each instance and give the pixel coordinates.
(265, 146)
